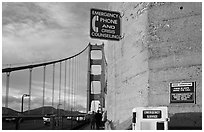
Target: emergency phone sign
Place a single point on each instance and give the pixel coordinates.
(105, 24)
(152, 114)
(183, 92)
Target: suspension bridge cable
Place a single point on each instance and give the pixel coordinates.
(77, 90)
(53, 86)
(69, 84)
(72, 82)
(30, 85)
(74, 88)
(77, 81)
(40, 64)
(44, 73)
(60, 83)
(65, 81)
(74, 85)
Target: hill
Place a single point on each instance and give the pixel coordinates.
(9, 111)
(38, 111)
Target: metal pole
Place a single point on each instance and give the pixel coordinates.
(22, 104)
(24, 95)
(7, 88)
(58, 114)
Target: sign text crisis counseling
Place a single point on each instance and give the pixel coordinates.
(183, 92)
(105, 24)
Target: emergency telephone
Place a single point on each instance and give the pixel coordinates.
(150, 118)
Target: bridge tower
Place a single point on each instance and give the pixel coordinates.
(101, 77)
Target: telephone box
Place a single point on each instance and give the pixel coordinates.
(150, 118)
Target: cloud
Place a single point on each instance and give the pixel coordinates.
(44, 31)
(59, 14)
(13, 102)
(39, 32)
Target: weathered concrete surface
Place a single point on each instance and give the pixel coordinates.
(161, 44)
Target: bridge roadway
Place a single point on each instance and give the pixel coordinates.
(88, 127)
(37, 124)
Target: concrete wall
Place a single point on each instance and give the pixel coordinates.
(161, 44)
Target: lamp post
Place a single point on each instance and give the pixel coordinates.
(58, 108)
(58, 114)
(24, 95)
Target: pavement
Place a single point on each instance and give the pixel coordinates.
(88, 127)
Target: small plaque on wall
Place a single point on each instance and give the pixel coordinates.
(183, 92)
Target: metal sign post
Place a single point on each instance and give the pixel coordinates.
(105, 24)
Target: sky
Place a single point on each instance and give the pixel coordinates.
(38, 32)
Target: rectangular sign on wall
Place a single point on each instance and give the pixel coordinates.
(152, 114)
(105, 24)
(183, 92)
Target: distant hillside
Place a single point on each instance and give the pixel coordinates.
(8, 111)
(50, 110)
(38, 111)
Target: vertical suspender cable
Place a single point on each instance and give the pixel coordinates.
(43, 103)
(72, 82)
(74, 88)
(71, 73)
(79, 75)
(7, 88)
(77, 90)
(60, 84)
(53, 85)
(30, 84)
(65, 81)
(76, 81)
(71, 97)
(68, 101)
